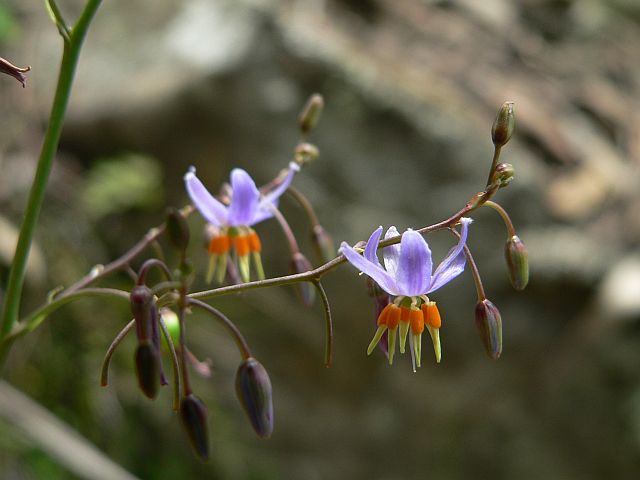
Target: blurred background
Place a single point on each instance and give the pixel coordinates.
(411, 90)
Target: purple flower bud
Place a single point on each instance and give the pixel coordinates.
(503, 174)
(147, 361)
(518, 262)
(323, 243)
(305, 290)
(311, 113)
(142, 308)
(177, 229)
(193, 415)
(253, 388)
(503, 125)
(489, 325)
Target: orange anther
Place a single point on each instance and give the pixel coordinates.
(255, 245)
(394, 316)
(431, 314)
(404, 317)
(241, 244)
(384, 315)
(219, 245)
(416, 317)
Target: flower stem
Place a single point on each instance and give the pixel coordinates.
(305, 204)
(70, 56)
(494, 163)
(505, 217)
(474, 268)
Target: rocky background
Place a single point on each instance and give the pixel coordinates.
(411, 89)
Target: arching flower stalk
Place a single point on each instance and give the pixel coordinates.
(233, 222)
(407, 275)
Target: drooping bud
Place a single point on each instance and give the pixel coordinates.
(15, 72)
(306, 153)
(306, 291)
(193, 416)
(489, 325)
(517, 257)
(503, 174)
(147, 361)
(323, 243)
(177, 229)
(142, 308)
(311, 113)
(253, 388)
(503, 125)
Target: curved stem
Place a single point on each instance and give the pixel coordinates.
(505, 217)
(104, 371)
(305, 204)
(286, 229)
(68, 65)
(174, 362)
(328, 346)
(474, 268)
(245, 351)
(148, 264)
(494, 162)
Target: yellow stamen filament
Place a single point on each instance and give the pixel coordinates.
(376, 338)
(435, 339)
(393, 333)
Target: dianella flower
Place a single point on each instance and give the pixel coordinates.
(232, 223)
(409, 278)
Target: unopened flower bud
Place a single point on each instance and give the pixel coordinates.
(503, 125)
(253, 388)
(503, 174)
(517, 257)
(323, 243)
(306, 153)
(177, 229)
(311, 113)
(306, 291)
(193, 415)
(489, 325)
(15, 72)
(143, 309)
(147, 361)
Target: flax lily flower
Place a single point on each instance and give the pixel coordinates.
(233, 222)
(407, 275)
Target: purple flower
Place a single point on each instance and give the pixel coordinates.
(408, 276)
(232, 224)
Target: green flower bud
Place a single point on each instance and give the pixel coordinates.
(193, 415)
(503, 125)
(323, 243)
(306, 292)
(517, 257)
(503, 174)
(147, 362)
(177, 229)
(489, 325)
(253, 388)
(311, 113)
(143, 309)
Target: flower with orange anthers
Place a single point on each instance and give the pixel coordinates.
(233, 222)
(407, 276)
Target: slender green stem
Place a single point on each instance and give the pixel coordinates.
(494, 162)
(70, 56)
(104, 371)
(505, 217)
(241, 343)
(328, 346)
(63, 28)
(304, 202)
(474, 268)
(174, 362)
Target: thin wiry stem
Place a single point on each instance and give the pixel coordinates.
(505, 217)
(104, 371)
(474, 268)
(174, 362)
(328, 346)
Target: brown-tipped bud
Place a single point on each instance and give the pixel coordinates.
(503, 174)
(517, 257)
(323, 243)
(193, 415)
(147, 361)
(15, 72)
(143, 309)
(489, 325)
(311, 112)
(253, 388)
(305, 290)
(177, 229)
(503, 125)
(306, 153)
